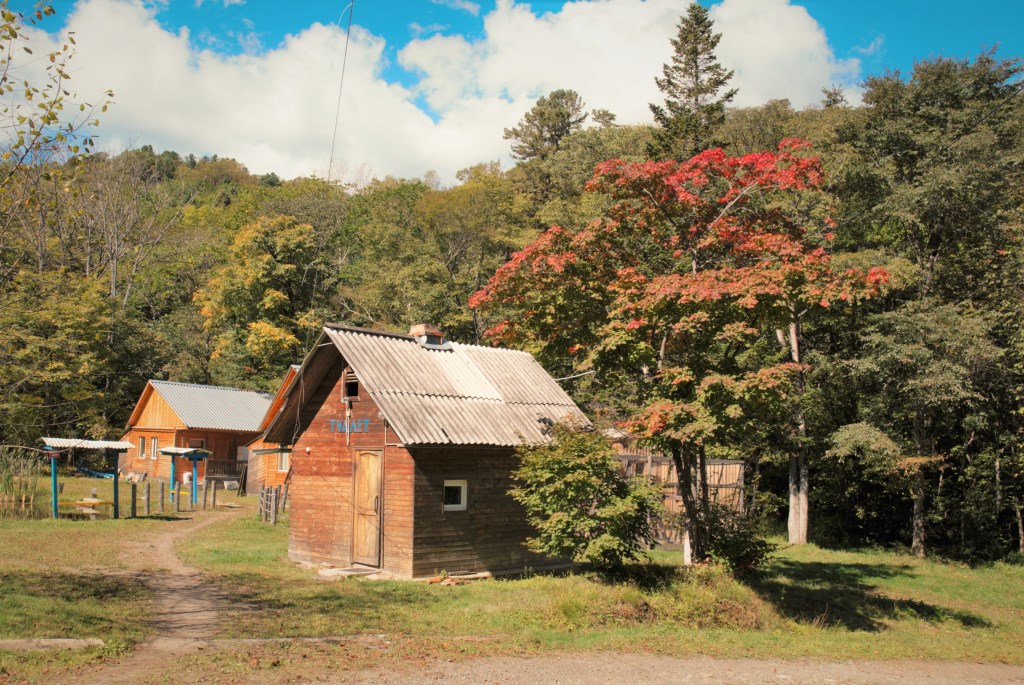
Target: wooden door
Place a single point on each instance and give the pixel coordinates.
(366, 509)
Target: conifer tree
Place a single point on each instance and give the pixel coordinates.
(692, 84)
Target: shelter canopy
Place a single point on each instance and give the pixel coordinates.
(64, 443)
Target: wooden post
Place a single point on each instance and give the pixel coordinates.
(161, 497)
(177, 499)
(277, 497)
(284, 498)
(205, 485)
(133, 511)
(273, 507)
(263, 502)
(213, 496)
(117, 496)
(145, 504)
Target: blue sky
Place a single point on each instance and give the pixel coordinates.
(430, 85)
(883, 34)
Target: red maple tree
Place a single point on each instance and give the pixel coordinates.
(681, 281)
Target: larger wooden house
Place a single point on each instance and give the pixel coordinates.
(220, 420)
(403, 448)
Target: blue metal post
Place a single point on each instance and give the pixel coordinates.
(117, 503)
(195, 481)
(172, 477)
(53, 480)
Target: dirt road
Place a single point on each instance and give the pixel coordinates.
(626, 669)
(189, 610)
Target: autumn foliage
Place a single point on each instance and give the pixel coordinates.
(684, 282)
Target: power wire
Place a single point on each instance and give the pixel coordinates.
(344, 61)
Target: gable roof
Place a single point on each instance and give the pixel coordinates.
(208, 406)
(462, 395)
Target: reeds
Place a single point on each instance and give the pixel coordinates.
(19, 482)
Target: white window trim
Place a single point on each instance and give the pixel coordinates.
(287, 461)
(463, 501)
(142, 448)
(154, 448)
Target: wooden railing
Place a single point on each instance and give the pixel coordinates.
(225, 469)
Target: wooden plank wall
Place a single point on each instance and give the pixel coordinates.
(321, 517)
(489, 535)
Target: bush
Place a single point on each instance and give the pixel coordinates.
(736, 540)
(580, 505)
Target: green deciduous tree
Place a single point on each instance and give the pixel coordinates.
(267, 301)
(580, 505)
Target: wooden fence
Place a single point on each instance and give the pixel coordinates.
(273, 501)
(725, 486)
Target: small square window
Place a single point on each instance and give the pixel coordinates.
(352, 389)
(454, 497)
(197, 443)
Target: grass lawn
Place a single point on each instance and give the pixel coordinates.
(66, 579)
(812, 602)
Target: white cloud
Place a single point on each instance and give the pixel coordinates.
(778, 50)
(463, 5)
(872, 48)
(274, 109)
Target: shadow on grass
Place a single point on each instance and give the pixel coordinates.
(60, 604)
(847, 596)
(354, 599)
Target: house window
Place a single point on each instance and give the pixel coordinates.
(282, 460)
(153, 447)
(242, 453)
(454, 497)
(197, 443)
(352, 389)
(142, 448)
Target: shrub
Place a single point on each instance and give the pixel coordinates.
(580, 505)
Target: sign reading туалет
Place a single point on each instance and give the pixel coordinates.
(357, 426)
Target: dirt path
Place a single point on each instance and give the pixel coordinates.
(617, 669)
(186, 611)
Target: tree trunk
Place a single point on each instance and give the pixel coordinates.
(694, 530)
(799, 479)
(1020, 526)
(917, 544)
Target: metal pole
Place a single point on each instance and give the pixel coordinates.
(172, 478)
(135, 489)
(117, 503)
(53, 480)
(195, 482)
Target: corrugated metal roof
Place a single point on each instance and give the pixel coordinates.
(87, 444)
(466, 395)
(214, 407)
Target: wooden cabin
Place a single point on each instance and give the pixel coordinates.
(403, 449)
(269, 463)
(221, 420)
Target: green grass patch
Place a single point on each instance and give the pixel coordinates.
(68, 578)
(811, 602)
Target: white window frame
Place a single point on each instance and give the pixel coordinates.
(286, 458)
(463, 485)
(142, 448)
(200, 446)
(154, 448)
